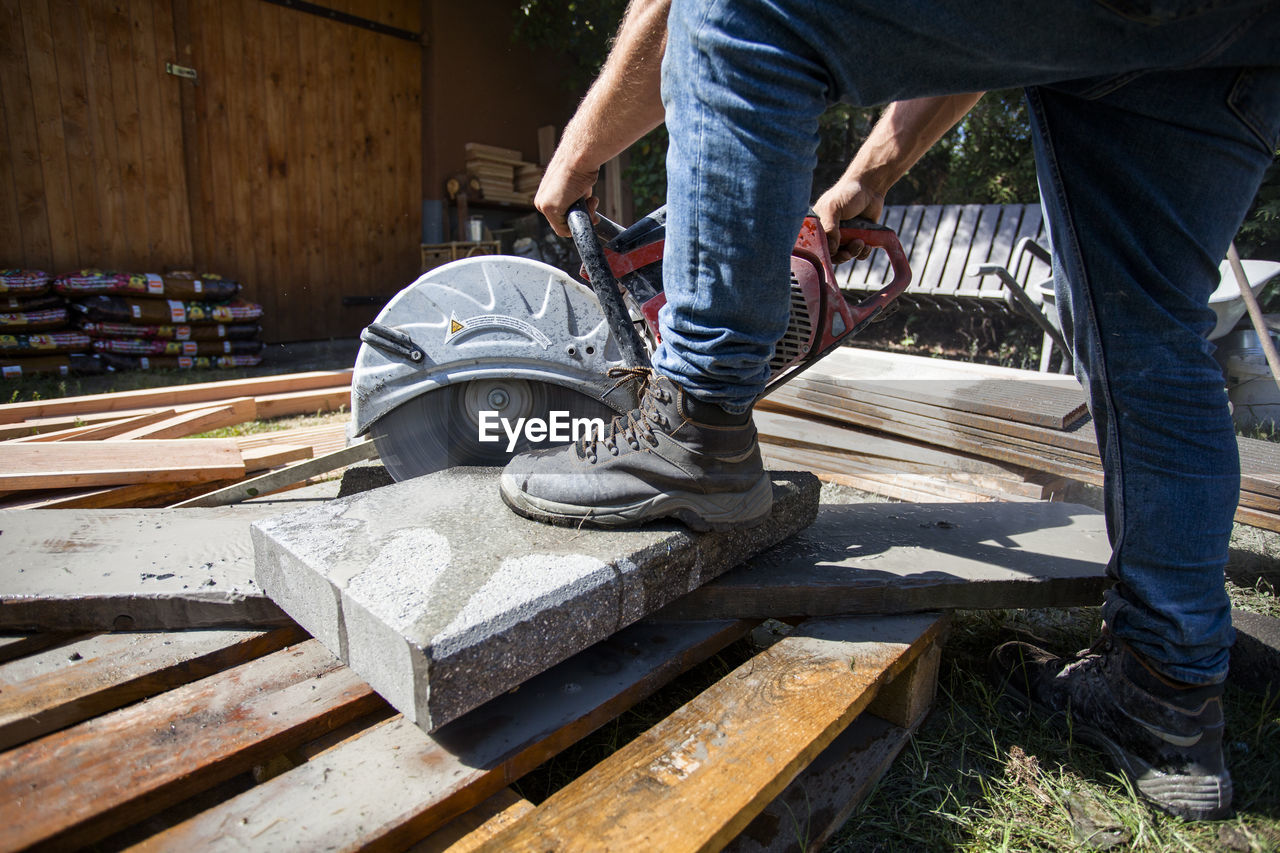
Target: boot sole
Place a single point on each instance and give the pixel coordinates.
(1187, 797)
(701, 512)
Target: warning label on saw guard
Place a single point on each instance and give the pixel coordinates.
(458, 327)
(558, 428)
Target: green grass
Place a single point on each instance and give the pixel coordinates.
(976, 779)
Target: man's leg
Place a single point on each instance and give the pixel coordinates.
(742, 106)
(1145, 185)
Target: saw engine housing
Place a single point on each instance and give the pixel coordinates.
(820, 315)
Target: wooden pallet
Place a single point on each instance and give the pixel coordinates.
(262, 740)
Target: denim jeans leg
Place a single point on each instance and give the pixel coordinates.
(737, 110)
(1145, 186)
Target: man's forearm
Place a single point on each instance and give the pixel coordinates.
(902, 136)
(904, 133)
(623, 104)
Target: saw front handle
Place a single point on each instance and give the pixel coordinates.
(606, 287)
(882, 237)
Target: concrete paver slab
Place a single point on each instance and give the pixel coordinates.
(131, 569)
(901, 558)
(442, 598)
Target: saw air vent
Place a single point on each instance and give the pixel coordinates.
(799, 332)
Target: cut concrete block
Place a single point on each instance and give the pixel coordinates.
(442, 598)
(902, 558)
(131, 569)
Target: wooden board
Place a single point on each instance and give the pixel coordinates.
(821, 799)
(230, 413)
(70, 464)
(394, 784)
(66, 790)
(96, 432)
(697, 778)
(51, 690)
(1017, 395)
(204, 392)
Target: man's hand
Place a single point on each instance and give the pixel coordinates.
(847, 199)
(904, 133)
(561, 186)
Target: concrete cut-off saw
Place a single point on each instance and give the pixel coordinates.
(489, 356)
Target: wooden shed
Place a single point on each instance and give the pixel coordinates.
(289, 145)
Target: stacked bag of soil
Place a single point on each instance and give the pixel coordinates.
(36, 330)
(178, 320)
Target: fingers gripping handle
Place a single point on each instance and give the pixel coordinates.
(881, 237)
(606, 287)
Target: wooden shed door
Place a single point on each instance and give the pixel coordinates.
(303, 146)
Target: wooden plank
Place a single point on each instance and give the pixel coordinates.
(51, 690)
(922, 245)
(470, 831)
(1051, 415)
(332, 399)
(404, 784)
(697, 778)
(787, 426)
(321, 439)
(136, 495)
(65, 790)
(51, 134)
(277, 480)
(273, 456)
(130, 238)
(26, 214)
(846, 471)
(14, 646)
(166, 207)
(233, 412)
(96, 432)
(72, 464)
(203, 392)
(998, 253)
(929, 274)
(958, 258)
(823, 797)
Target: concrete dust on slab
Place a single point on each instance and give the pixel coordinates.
(442, 598)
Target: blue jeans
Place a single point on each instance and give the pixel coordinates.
(1152, 127)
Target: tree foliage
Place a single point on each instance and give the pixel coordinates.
(579, 29)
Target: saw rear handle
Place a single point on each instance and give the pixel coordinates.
(881, 237)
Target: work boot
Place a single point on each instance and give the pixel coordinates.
(1166, 737)
(671, 457)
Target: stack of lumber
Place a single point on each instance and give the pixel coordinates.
(132, 448)
(504, 174)
(931, 430)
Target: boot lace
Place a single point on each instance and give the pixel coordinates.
(635, 425)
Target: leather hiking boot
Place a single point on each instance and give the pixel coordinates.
(1165, 737)
(671, 457)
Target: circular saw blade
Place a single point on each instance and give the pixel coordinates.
(441, 428)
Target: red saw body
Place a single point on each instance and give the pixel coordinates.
(821, 318)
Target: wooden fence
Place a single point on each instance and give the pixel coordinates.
(291, 163)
